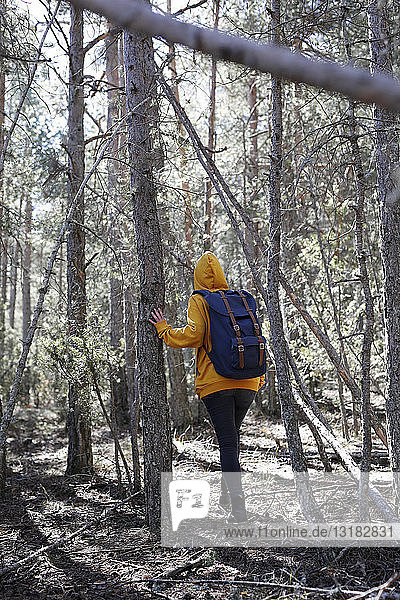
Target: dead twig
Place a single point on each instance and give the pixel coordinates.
(379, 588)
(249, 583)
(186, 567)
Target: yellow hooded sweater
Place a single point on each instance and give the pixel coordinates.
(208, 275)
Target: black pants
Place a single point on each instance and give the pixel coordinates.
(227, 410)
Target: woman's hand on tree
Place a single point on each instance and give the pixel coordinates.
(157, 315)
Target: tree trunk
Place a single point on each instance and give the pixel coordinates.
(13, 283)
(118, 379)
(2, 247)
(251, 172)
(211, 138)
(179, 405)
(80, 459)
(3, 294)
(26, 292)
(129, 301)
(274, 312)
(387, 161)
(26, 270)
(133, 398)
(157, 444)
(183, 155)
(368, 332)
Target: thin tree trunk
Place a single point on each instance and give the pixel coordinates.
(211, 138)
(181, 379)
(2, 211)
(133, 398)
(32, 73)
(335, 310)
(129, 303)
(387, 161)
(332, 354)
(157, 443)
(179, 405)
(13, 279)
(118, 378)
(26, 269)
(364, 276)
(80, 458)
(183, 155)
(274, 312)
(3, 464)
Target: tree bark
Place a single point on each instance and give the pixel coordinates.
(2, 248)
(13, 279)
(118, 381)
(80, 459)
(157, 444)
(387, 162)
(368, 332)
(179, 405)
(44, 288)
(211, 138)
(274, 312)
(335, 311)
(183, 155)
(26, 269)
(307, 405)
(133, 397)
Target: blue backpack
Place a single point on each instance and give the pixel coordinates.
(237, 345)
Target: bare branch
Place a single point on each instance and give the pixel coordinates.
(99, 38)
(280, 62)
(27, 87)
(189, 7)
(249, 583)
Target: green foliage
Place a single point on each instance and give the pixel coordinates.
(72, 359)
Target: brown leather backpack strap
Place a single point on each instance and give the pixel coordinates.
(236, 329)
(255, 325)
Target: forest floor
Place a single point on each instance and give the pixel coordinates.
(41, 504)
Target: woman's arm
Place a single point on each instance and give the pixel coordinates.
(189, 336)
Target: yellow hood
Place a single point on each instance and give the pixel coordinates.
(208, 274)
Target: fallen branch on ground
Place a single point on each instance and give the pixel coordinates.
(379, 588)
(249, 583)
(187, 567)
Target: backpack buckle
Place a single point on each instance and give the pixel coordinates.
(236, 327)
(241, 348)
(262, 346)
